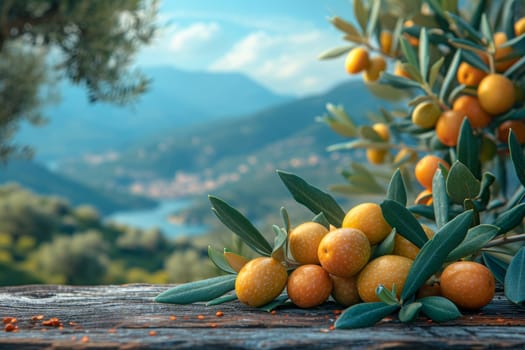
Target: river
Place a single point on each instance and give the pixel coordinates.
(157, 217)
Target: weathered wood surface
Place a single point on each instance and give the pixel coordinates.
(126, 317)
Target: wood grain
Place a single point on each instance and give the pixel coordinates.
(126, 317)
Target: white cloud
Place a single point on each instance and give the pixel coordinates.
(285, 62)
(193, 36)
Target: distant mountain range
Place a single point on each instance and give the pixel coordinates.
(273, 135)
(176, 99)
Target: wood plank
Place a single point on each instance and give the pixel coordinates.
(126, 317)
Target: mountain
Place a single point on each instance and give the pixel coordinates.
(176, 99)
(203, 156)
(39, 179)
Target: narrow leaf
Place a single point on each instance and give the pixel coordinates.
(424, 54)
(466, 28)
(404, 222)
(475, 239)
(241, 226)
(396, 189)
(219, 260)
(409, 53)
(373, 17)
(321, 219)
(515, 278)
(279, 241)
(222, 299)
(484, 192)
(409, 311)
(439, 309)
(361, 14)
(398, 82)
(313, 198)
(286, 219)
(516, 154)
(434, 71)
(440, 198)
(386, 246)
(364, 315)
(203, 290)
(450, 77)
(461, 183)
(335, 52)
(386, 296)
(486, 29)
(344, 26)
(468, 149)
(510, 218)
(435, 251)
(272, 305)
(497, 266)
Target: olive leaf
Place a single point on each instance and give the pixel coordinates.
(241, 226)
(409, 311)
(468, 149)
(222, 299)
(272, 305)
(516, 155)
(219, 260)
(450, 77)
(461, 183)
(396, 189)
(440, 198)
(313, 198)
(432, 255)
(387, 296)
(322, 220)
(424, 54)
(386, 246)
(514, 279)
(404, 222)
(496, 266)
(439, 309)
(203, 290)
(475, 239)
(335, 52)
(509, 219)
(364, 315)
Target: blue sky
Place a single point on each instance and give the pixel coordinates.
(275, 42)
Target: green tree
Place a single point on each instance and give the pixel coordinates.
(91, 43)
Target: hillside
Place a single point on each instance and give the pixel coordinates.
(38, 179)
(175, 99)
(212, 154)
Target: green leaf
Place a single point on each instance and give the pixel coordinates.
(398, 82)
(361, 14)
(409, 53)
(497, 266)
(486, 30)
(475, 239)
(373, 17)
(286, 219)
(424, 54)
(409, 312)
(509, 219)
(241, 226)
(335, 52)
(203, 290)
(281, 237)
(474, 60)
(435, 251)
(439, 309)
(515, 279)
(386, 246)
(468, 148)
(484, 192)
(222, 299)
(439, 198)
(516, 70)
(364, 315)
(450, 77)
(465, 27)
(279, 301)
(368, 133)
(461, 183)
(434, 71)
(467, 45)
(396, 189)
(386, 296)
(218, 259)
(475, 21)
(313, 198)
(404, 222)
(321, 219)
(344, 26)
(516, 154)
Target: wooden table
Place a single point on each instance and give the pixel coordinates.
(126, 317)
